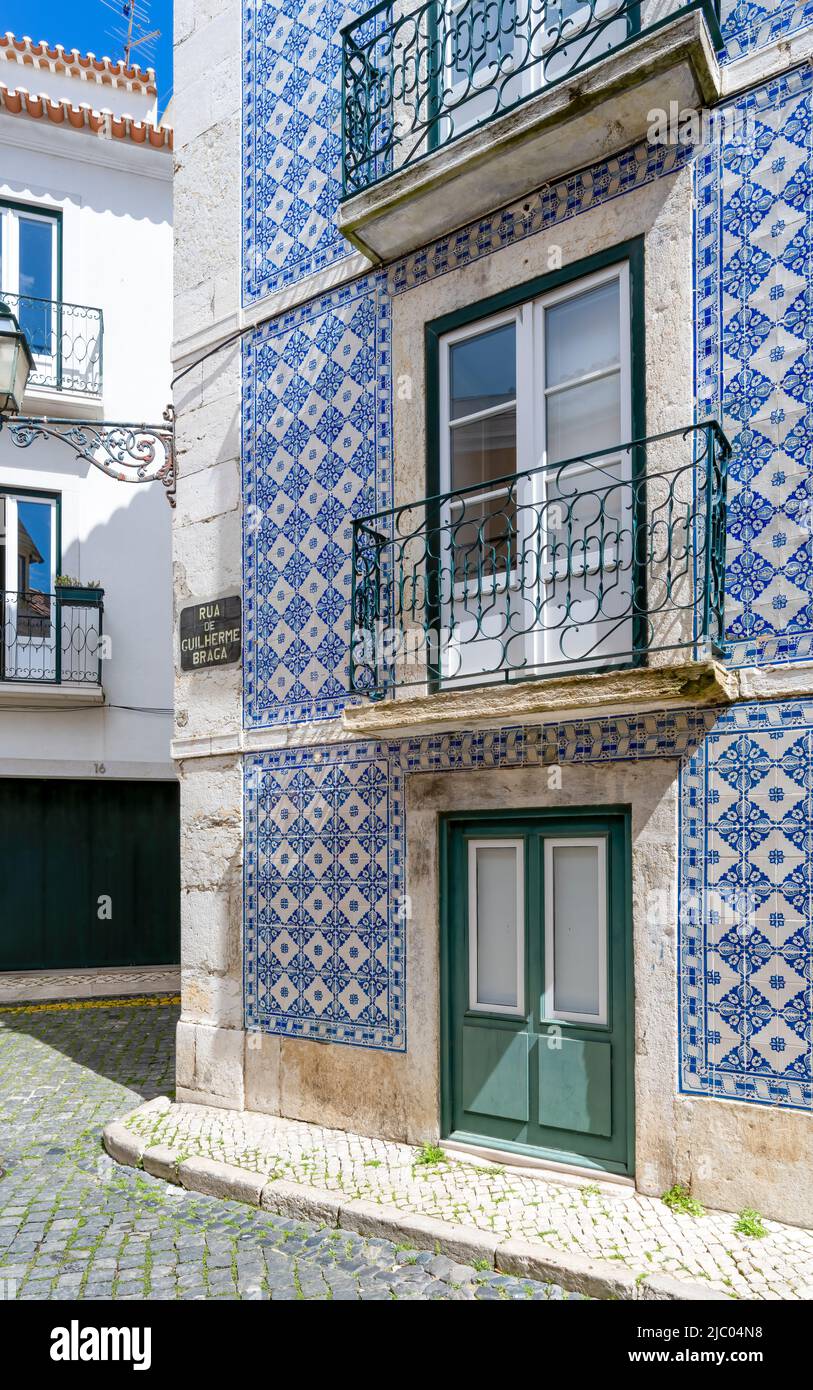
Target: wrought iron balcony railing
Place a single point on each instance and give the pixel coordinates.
(50, 639)
(66, 341)
(417, 76)
(613, 559)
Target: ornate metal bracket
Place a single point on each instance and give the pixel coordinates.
(129, 453)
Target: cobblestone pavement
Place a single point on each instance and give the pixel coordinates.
(597, 1219)
(73, 1224)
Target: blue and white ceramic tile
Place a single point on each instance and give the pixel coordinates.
(751, 24)
(316, 453)
(324, 912)
(746, 887)
(754, 347)
(292, 141)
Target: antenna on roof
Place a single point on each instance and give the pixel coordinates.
(132, 30)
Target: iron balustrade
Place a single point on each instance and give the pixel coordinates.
(612, 559)
(66, 341)
(415, 77)
(49, 639)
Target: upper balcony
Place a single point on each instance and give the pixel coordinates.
(605, 574)
(453, 108)
(67, 343)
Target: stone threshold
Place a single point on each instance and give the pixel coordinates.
(527, 1259)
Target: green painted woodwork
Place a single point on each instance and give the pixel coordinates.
(571, 1102)
(495, 1072)
(575, 1084)
(69, 845)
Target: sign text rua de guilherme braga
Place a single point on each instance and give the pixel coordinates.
(211, 633)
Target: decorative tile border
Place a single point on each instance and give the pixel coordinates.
(316, 453)
(550, 206)
(745, 898)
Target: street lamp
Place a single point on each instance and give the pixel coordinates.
(16, 363)
(128, 452)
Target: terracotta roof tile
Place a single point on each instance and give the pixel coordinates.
(19, 102)
(57, 58)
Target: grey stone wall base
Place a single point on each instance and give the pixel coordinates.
(464, 1244)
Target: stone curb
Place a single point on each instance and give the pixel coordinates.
(122, 1145)
(216, 1179)
(464, 1244)
(161, 1162)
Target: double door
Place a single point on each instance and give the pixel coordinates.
(537, 995)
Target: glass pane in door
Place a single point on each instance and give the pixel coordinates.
(496, 927)
(37, 289)
(32, 603)
(482, 371)
(575, 930)
(587, 514)
(585, 418)
(582, 334)
(482, 448)
(479, 546)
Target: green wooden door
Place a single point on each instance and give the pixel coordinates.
(537, 986)
(91, 873)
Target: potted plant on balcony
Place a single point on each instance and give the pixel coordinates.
(73, 592)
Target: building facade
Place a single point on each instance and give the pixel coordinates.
(494, 329)
(88, 794)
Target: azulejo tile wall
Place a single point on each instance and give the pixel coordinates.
(291, 140)
(316, 453)
(324, 826)
(324, 922)
(751, 24)
(324, 892)
(292, 126)
(754, 258)
(746, 934)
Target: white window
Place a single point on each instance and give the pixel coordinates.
(496, 927)
(576, 930)
(29, 278)
(536, 555)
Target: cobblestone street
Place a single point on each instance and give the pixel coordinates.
(73, 1224)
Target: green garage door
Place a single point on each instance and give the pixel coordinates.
(90, 874)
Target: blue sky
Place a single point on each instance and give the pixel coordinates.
(88, 26)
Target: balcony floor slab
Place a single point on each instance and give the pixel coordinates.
(40, 694)
(684, 685)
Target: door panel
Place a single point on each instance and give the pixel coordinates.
(495, 1073)
(545, 1068)
(575, 1085)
